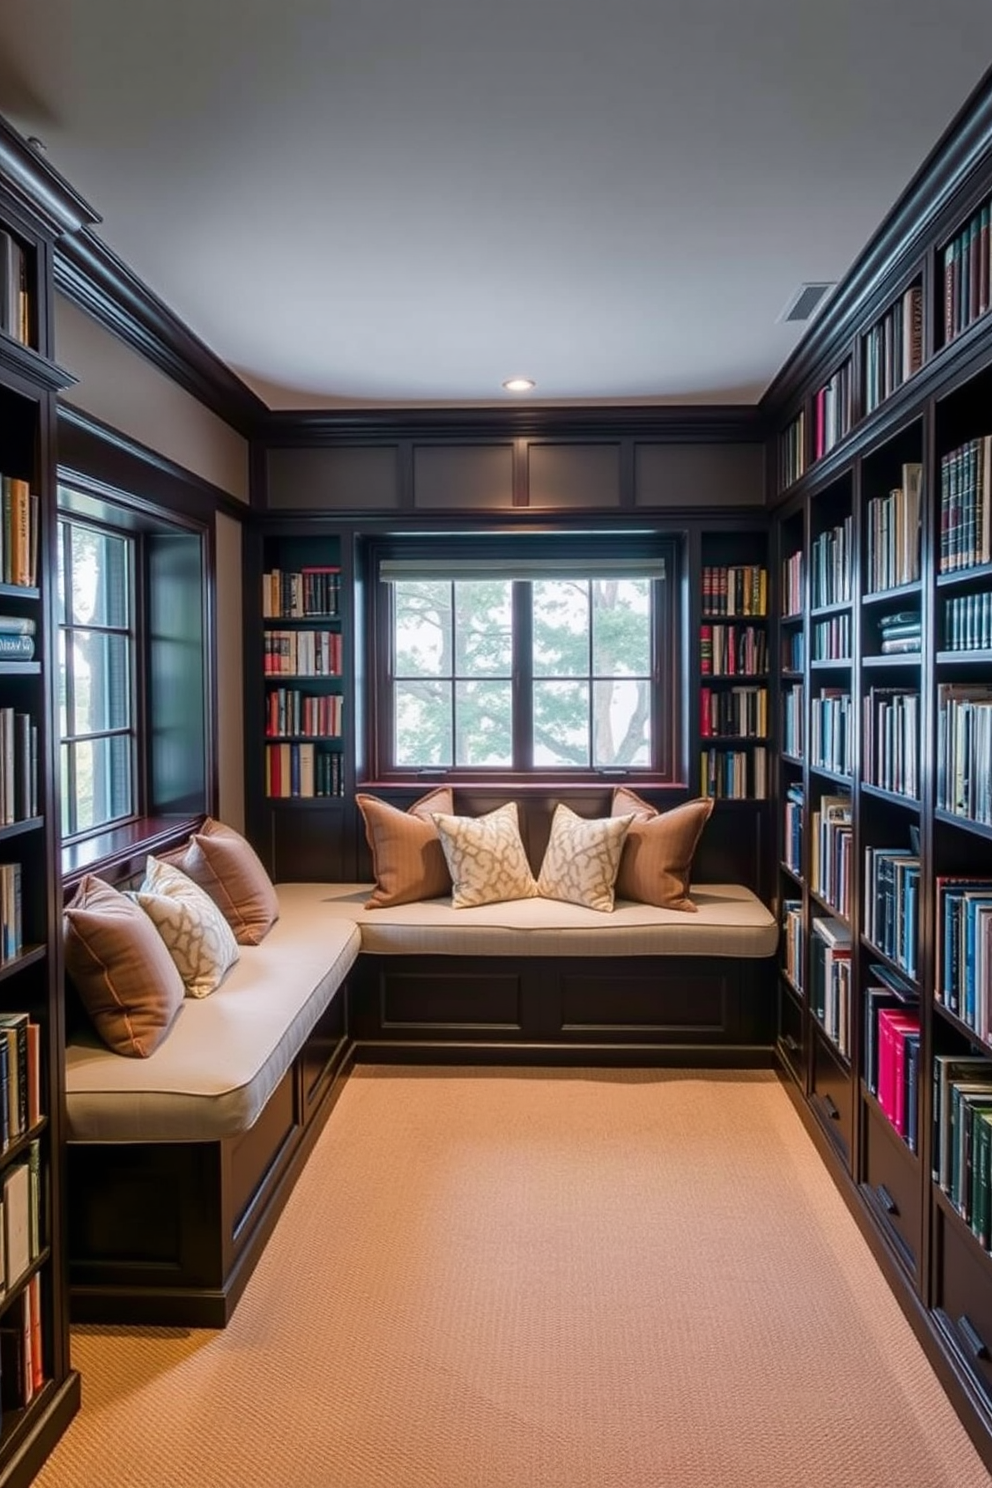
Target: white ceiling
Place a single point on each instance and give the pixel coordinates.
(407, 201)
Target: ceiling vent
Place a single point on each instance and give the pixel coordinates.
(806, 301)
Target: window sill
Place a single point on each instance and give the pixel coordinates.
(125, 847)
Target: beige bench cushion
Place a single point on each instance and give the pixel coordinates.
(226, 1053)
(731, 921)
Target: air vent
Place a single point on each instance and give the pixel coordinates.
(806, 300)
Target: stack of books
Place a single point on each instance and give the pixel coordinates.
(899, 633)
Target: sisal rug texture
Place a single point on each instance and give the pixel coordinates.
(565, 1279)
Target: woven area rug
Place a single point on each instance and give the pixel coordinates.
(558, 1278)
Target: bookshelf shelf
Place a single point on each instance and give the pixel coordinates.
(960, 578)
(19, 591)
(963, 658)
(20, 668)
(943, 1012)
(891, 596)
(18, 828)
(911, 659)
(825, 610)
(895, 798)
(30, 956)
(835, 775)
(965, 823)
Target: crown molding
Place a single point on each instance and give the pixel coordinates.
(92, 276)
(664, 423)
(903, 237)
(38, 188)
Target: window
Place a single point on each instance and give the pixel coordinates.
(528, 660)
(96, 650)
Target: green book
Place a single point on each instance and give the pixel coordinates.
(981, 1153)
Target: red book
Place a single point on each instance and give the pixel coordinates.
(706, 649)
(705, 727)
(893, 1026)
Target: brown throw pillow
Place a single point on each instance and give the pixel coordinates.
(407, 857)
(227, 867)
(656, 865)
(126, 979)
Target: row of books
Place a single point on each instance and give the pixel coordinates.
(966, 274)
(792, 844)
(891, 1062)
(793, 941)
(735, 589)
(968, 622)
(289, 711)
(964, 750)
(740, 712)
(792, 452)
(892, 903)
(20, 1077)
(20, 1218)
(830, 980)
(832, 638)
(962, 1137)
(15, 299)
(793, 588)
(794, 720)
(11, 935)
(832, 566)
(890, 746)
(964, 950)
(22, 1365)
(302, 653)
(738, 774)
(833, 410)
(18, 766)
(310, 592)
(900, 634)
(793, 651)
(894, 347)
(733, 650)
(892, 533)
(18, 533)
(830, 729)
(302, 770)
(966, 505)
(831, 838)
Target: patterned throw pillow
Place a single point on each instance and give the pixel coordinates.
(582, 857)
(656, 865)
(196, 934)
(485, 857)
(407, 857)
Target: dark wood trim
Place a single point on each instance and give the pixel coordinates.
(663, 423)
(601, 1055)
(905, 233)
(91, 275)
(101, 457)
(38, 188)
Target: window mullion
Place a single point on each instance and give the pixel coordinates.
(523, 675)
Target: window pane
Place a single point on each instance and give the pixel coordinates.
(422, 635)
(103, 781)
(621, 627)
(483, 629)
(561, 723)
(484, 723)
(561, 627)
(66, 794)
(63, 692)
(99, 577)
(621, 722)
(60, 597)
(423, 723)
(100, 673)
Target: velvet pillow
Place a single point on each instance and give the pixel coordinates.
(485, 857)
(196, 934)
(582, 857)
(407, 857)
(126, 979)
(656, 864)
(226, 866)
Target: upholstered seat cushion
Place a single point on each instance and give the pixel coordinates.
(226, 1053)
(730, 921)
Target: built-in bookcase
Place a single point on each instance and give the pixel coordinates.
(734, 714)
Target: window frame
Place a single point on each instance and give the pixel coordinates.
(667, 655)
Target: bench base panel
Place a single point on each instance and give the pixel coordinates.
(168, 1233)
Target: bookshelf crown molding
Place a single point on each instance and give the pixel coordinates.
(39, 189)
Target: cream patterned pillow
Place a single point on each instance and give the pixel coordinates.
(485, 857)
(195, 932)
(582, 857)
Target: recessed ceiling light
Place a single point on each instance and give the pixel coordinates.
(519, 384)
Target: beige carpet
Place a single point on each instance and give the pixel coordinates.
(570, 1279)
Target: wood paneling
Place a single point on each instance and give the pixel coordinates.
(696, 475)
(471, 477)
(359, 478)
(567, 476)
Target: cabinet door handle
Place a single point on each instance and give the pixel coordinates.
(972, 1337)
(886, 1200)
(831, 1108)
(791, 1044)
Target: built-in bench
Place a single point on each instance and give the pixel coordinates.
(179, 1163)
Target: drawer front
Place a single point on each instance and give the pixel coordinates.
(893, 1187)
(792, 1034)
(831, 1096)
(964, 1297)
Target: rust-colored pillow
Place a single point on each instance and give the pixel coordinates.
(126, 979)
(227, 867)
(407, 857)
(656, 866)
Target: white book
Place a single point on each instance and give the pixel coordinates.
(17, 1221)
